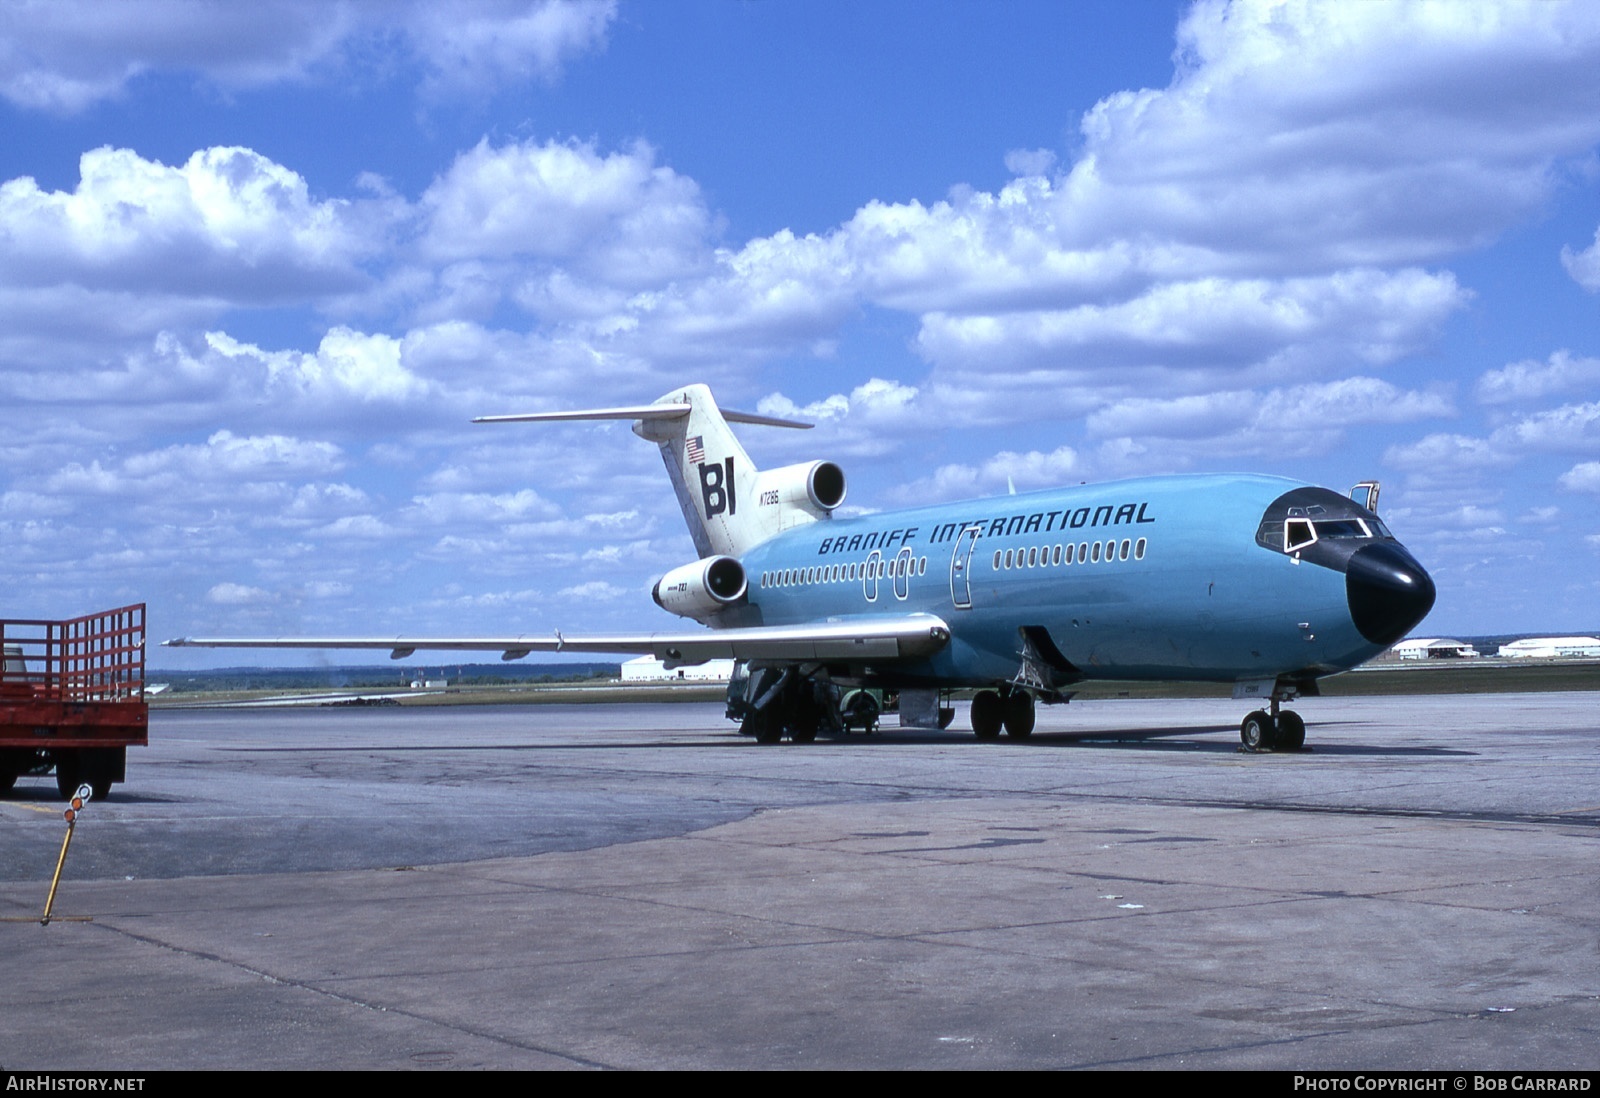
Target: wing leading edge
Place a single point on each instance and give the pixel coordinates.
(905, 637)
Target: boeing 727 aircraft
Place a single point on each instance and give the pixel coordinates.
(1257, 581)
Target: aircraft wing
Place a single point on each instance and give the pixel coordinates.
(877, 638)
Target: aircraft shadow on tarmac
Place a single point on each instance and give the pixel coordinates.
(1162, 739)
(1217, 739)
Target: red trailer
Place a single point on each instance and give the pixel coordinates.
(72, 697)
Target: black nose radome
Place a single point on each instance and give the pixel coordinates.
(1389, 592)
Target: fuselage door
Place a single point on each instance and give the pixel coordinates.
(961, 568)
(904, 562)
(869, 579)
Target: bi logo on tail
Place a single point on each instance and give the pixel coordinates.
(717, 492)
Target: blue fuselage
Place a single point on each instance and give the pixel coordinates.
(1159, 578)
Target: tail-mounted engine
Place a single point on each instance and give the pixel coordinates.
(701, 590)
(802, 493)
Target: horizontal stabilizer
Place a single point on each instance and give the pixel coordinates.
(908, 636)
(641, 411)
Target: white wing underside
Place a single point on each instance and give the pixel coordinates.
(904, 637)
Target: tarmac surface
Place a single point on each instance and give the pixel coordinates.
(634, 886)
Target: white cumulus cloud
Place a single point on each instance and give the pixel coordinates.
(228, 224)
(236, 594)
(1530, 380)
(1584, 477)
(1584, 266)
(65, 55)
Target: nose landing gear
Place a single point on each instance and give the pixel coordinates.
(1279, 730)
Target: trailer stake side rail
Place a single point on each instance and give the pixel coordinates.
(72, 697)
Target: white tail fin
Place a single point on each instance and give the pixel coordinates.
(712, 475)
(728, 504)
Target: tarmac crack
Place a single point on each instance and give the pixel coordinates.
(348, 1000)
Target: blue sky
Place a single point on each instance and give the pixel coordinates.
(260, 264)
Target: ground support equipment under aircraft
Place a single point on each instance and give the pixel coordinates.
(72, 698)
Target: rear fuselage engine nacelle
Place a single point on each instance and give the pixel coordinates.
(701, 590)
(801, 493)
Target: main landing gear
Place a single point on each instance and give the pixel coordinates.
(1279, 730)
(779, 703)
(1011, 710)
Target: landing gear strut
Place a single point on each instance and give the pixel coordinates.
(1279, 730)
(786, 702)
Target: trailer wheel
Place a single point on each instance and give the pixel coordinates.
(100, 768)
(66, 774)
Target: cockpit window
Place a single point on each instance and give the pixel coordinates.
(1342, 528)
(1318, 526)
(1297, 534)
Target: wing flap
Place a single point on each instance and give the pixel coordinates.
(903, 637)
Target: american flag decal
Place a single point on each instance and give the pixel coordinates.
(697, 450)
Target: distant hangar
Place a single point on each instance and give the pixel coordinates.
(1433, 648)
(1552, 648)
(650, 669)
(1543, 648)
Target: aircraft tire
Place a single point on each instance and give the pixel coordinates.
(764, 726)
(1019, 714)
(1256, 732)
(988, 714)
(1291, 731)
(802, 729)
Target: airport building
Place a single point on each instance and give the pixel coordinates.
(1433, 648)
(1552, 648)
(650, 669)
